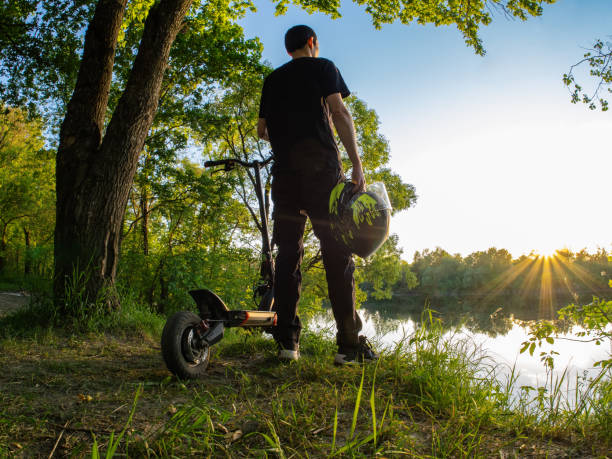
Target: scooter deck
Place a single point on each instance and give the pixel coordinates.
(252, 319)
(213, 308)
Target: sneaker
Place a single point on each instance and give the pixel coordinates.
(288, 355)
(355, 356)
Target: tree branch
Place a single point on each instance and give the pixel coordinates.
(85, 113)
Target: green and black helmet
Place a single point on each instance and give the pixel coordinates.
(360, 220)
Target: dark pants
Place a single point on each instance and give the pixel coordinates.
(293, 195)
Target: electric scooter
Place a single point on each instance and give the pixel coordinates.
(187, 337)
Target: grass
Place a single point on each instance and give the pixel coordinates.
(105, 393)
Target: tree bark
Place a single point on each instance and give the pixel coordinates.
(94, 174)
(3, 245)
(144, 208)
(164, 293)
(27, 267)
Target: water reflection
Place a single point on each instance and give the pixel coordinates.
(489, 317)
(494, 329)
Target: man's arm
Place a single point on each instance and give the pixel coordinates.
(262, 129)
(346, 131)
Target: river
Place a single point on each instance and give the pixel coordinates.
(495, 331)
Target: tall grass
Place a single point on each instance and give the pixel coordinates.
(435, 394)
(40, 316)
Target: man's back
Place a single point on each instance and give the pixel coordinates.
(297, 117)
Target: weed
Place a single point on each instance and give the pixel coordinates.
(433, 395)
(113, 443)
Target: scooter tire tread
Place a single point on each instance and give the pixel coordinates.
(171, 344)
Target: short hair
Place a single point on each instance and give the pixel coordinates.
(297, 37)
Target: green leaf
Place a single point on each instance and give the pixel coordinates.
(525, 346)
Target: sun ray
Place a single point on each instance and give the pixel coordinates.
(531, 278)
(547, 294)
(582, 274)
(499, 283)
(561, 273)
(542, 281)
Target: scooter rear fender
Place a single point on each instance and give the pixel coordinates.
(209, 305)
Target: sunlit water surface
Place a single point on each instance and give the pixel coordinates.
(503, 350)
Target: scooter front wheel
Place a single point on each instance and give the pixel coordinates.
(184, 353)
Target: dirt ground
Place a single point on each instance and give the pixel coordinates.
(59, 392)
(11, 301)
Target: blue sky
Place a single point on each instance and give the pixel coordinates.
(497, 153)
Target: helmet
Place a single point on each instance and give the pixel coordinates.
(360, 219)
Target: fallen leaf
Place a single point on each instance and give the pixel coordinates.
(236, 435)
(222, 428)
(85, 398)
(17, 445)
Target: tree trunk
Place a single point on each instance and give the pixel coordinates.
(94, 175)
(164, 293)
(144, 208)
(3, 245)
(27, 268)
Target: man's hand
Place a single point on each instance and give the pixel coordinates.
(357, 177)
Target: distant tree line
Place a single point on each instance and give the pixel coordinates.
(493, 283)
(565, 276)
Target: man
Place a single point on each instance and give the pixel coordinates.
(297, 101)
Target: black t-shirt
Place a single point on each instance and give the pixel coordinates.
(297, 116)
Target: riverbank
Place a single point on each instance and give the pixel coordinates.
(68, 394)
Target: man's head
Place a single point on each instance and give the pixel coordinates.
(301, 41)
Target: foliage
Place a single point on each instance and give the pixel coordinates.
(182, 224)
(40, 48)
(468, 16)
(26, 194)
(193, 238)
(439, 272)
(41, 41)
(483, 267)
(599, 60)
(492, 274)
(595, 319)
(384, 270)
